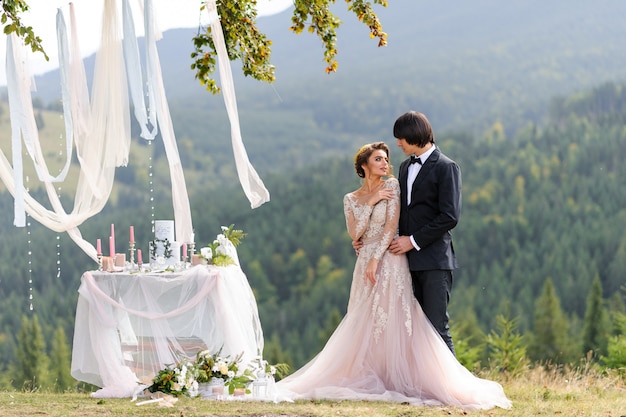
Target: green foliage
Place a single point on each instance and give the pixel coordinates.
(468, 339)
(218, 255)
(31, 366)
(274, 353)
(550, 334)
(324, 23)
(616, 353)
(244, 41)
(616, 349)
(60, 366)
(10, 19)
(595, 332)
(234, 235)
(508, 350)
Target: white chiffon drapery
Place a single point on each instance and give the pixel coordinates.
(130, 326)
(99, 123)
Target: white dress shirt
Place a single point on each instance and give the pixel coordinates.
(414, 169)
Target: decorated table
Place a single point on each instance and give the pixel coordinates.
(130, 325)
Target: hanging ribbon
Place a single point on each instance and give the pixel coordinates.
(180, 198)
(145, 117)
(252, 184)
(24, 126)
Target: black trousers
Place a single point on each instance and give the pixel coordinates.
(432, 289)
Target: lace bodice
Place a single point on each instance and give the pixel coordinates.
(374, 225)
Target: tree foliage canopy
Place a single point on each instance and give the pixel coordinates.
(244, 41)
(10, 19)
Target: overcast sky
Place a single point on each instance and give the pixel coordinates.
(42, 17)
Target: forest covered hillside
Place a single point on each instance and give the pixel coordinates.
(544, 206)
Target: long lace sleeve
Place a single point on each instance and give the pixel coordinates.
(357, 216)
(392, 217)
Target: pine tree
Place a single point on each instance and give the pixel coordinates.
(550, 341)
(274, 353)
(616, 350)
(468, 339)
(595, 330)
(508, 351)
(60, 363)
(31, 365)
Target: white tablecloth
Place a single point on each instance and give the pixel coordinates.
(130, 326)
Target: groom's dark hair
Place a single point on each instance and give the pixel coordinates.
(415, 128)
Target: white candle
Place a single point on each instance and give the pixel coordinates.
(132, 234)
(99, 247)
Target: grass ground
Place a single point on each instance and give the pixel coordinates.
(534, 393)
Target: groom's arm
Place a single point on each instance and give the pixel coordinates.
(448, 203)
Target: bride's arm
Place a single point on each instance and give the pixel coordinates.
(392, 219)
(357, 217)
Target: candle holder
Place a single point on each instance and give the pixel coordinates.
(192, 249)
(131, 249)
(99, 262)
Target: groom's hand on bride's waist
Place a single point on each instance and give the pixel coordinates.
(400, 245)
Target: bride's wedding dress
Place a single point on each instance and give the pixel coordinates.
(385, 348)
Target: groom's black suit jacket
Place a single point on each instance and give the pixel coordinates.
(434, 211)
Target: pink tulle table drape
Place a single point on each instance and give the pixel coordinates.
(130, 326)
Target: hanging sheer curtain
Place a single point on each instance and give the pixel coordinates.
(101, 130)
(250, 181)
(100, 125)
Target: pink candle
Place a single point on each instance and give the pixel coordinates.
(99, 247)
(184, 250)
(139, 260)
(112, 231)
(112, 246)
(132, 234)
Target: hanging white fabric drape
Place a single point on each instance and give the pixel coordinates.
(99, 126)
(101, 130)
(23, 126)
(145, 117)
(180, 199)
(251, 183)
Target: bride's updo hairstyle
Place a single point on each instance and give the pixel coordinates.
(363, 155)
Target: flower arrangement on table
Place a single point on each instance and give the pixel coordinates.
(217, 253)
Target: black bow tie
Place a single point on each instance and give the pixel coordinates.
(415, 159)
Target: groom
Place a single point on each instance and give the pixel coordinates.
(430, 194)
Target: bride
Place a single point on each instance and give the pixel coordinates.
(385, 348)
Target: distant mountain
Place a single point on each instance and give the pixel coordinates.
(465, 65)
